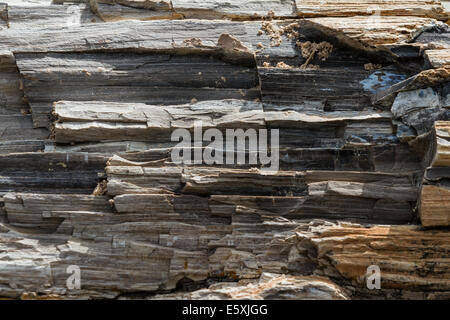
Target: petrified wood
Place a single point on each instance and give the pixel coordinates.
(91, 92)
(344, 251)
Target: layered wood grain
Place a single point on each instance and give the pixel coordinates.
(91, 92)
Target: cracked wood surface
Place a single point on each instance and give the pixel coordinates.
(90, 92)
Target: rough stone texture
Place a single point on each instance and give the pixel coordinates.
(88, 103)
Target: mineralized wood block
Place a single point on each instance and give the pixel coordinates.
(142, 180)
(33, 211)
(147, 4)
(384, 158)
(409, 258)
(130, 78)
(434, 201)
(439, 39)
(382, 31)
(3, 16)
(424, 79)
(201, 181)
(105, 270)
(11, 95)
(19, 127)
(439, 145)
(118, 12)
(205, 181)
(234, 9)
(50, 172)
(330, 8)
(347, 204)
(173, 36)
(434, 206)
(43, 16)
(270, 286)
(356, 196)
(438, 57)
(109, 121)
(111, 92)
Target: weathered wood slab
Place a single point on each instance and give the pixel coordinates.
(342, 8)
(347, 250)
(50, 172)
(49, 16)
(19, 127)
(434, 146)
(17, 146)
(424, 79)
(103, 121)
(147, 4)
(131, 77)
(11, 95)
(437, 58)
(353, 90)
(442, 148)
(173, 35)
(434, 206)
(124, 11)
(270, 286)
(205, 181)
(234, 9)
(3, 16)
(33, 211)
(433, 202)
(328, 200)
(201, 181)
(382, 31)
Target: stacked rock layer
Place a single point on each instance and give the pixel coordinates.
(92, 91)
